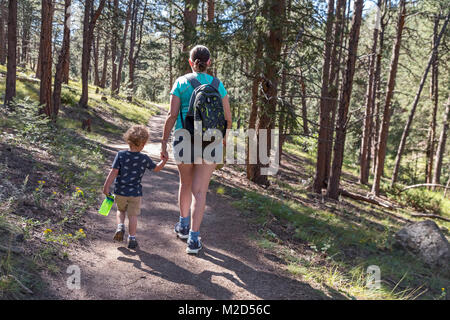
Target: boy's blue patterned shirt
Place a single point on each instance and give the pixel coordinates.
(131, 166)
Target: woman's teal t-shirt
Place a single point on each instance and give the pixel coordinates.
(183, 90)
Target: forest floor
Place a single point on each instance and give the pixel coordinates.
(280, 242)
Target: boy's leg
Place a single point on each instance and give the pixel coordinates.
(132, 225)
(120, 217)
(134, 210)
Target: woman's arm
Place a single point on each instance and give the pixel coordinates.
(172, 116)
(227, 113)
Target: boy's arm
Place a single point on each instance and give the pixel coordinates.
(160, 165)
(109, 180)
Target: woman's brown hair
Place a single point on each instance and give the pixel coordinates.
(200, 56)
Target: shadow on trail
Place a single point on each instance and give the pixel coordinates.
(170, 271)
(263, 284)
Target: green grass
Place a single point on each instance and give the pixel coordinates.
(342, 242)
(63, 177)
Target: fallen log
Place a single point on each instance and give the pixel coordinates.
(355, 196)
(433, 216)
(424, 185)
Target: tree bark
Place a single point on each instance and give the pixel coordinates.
(45, 92)
(62, 59)
(344, 102)
(333, 82)
(133, 57)
(273, 11)
(405, 133)
(3, 18)
(88, 32)
(368, 116)
(10, 92)
(441, 145)
(105, 65)
(324, 112)
(377, 90)
(96, 45)
(122, 48)
(189, 34)
(435, 99)
(384, 130)
(114, 39)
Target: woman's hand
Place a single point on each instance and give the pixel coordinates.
(164, 155)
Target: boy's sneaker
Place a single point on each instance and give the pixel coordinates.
(132, 243)
(182, 232)
(194, 246)
(118, 236)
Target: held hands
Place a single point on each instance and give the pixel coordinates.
(164, 155)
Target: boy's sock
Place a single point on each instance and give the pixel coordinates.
(131, 237)
(184, 222)
(193, 236)
(121, 225)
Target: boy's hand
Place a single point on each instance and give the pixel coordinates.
(106, 191)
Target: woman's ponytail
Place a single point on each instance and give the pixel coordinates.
(200, 56)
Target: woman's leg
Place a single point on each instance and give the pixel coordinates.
(200, 183)
(186, 172)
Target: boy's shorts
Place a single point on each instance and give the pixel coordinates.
(131, 205)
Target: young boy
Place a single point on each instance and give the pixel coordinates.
(128, 169)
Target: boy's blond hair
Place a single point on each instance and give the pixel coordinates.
(137, 135)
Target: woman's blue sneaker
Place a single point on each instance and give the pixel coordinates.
(182, 232)
(194, 246)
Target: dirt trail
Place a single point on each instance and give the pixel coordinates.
(230, 266)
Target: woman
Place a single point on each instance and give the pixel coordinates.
(194, 178)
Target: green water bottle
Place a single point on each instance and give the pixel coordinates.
(106, 205)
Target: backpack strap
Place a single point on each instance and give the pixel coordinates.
(215, 83)
(193, 80)
(194, 83)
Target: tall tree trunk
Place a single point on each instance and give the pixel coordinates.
(88, 31)
(333, 81)
(105, 65)
(384, 130)
(377, 89)
(114, 39)
(405, 133)
(96, 44)
(368, 116)
(3, 18)
(210, 32)
(10, 92)
(133, 57)
(45, 92)
(324, 112)
(273, 11)
(122, 47)
(170, 47)
(441, 145)
(344, 102)
(304, 104)
(26, 29)
(189, 34)
(62, 59)
(435, 100)
(252, 168)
